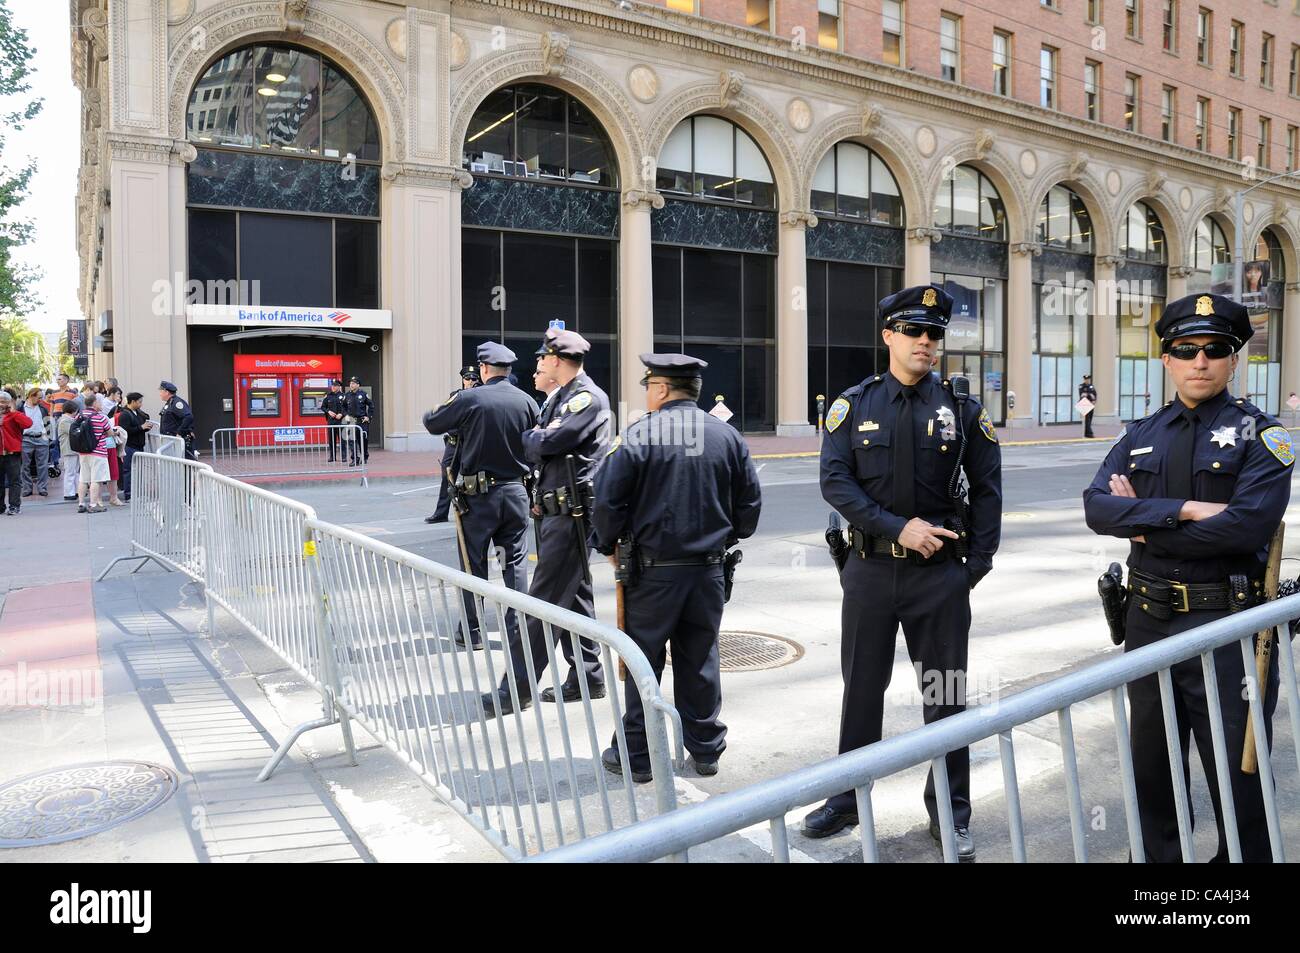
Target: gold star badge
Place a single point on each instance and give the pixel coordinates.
(929, 298)
(1205, 305)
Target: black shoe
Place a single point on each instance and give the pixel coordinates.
(69, 499)
(27, 494)
(826, 821)
(500, 703)
(47, 493)
(705, 769)
(475, 638)
(570, 692)
(435, 518)
(965, 843)
(614, 765)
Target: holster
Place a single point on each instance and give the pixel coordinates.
(837, 544)
(1114, 601)
(960, 545)
(1238, 592)
(729, 563)
(628, 571)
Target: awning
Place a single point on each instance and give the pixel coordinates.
(326, 333)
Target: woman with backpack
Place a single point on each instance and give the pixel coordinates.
(88, 438)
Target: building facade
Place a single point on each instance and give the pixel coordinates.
(391, 183)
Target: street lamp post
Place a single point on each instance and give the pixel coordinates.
(1238, 226)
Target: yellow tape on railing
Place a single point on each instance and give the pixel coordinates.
(309, 548)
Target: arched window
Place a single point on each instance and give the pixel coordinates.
(853, 182)
(282, 99)
(538, 132)
(968, 204)
(1064, 222)
(708, 157)
(1209, 247)
(1144, 236)
(1269, 249)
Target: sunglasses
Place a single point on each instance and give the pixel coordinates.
(1215, 351)
(916, 330)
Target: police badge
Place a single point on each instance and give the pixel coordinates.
(986, 426)
(839, 410)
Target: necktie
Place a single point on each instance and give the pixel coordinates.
(904, 457)
(1179, 482)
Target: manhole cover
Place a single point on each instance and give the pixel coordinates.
(84, 799)
(755, 651)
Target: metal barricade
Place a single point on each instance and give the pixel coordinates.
(245, 452)
(768, 801)
(166, 445)
(166, 514)
(530, 781)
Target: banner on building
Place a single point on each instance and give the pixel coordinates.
(77, 345)
(231, 315)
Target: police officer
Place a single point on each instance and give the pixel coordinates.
(1088, 392)
(490, 421)
(468, 378)
(577, 423)
(679, 486)
(1198, 488)
(889, 464)
(336, 407)
(360, 406)
(176, 419)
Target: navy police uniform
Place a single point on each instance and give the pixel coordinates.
(448, 465)
(176, 419)
(490, 421)
(335, 406)
(680, 485)
(360, 406)
(1087, 390)
(1188, 573)
(576, 422)
(878, 433)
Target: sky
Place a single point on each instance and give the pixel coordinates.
(53, 138)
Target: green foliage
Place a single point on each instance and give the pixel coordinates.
(16, 282)
(24, 357)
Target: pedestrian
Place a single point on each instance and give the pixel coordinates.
(36, 448)
(56, 400)
(112, 401)
(1198, 489)
(469, 377)
(90, 429)
(12, 424)
(176, 419)
(896, 448)
(676, 490)
(571, 438)
(490, 421)
(114, 440)
(360, 406)
(136, 424)
(71, 460)
(335, 406)
(1089, 393)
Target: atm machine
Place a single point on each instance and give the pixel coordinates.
(283, 392)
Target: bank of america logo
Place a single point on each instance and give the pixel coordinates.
(339, 317)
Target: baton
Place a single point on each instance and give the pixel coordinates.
(1263, 650)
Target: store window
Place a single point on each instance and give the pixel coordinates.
(1263, 283)
(1142, 280)
(1064, 303)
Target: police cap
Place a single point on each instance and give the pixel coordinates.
(922, 304)
(569, 344)
(167, 385)
(1204, 314)
(672, 365)
(495, 355)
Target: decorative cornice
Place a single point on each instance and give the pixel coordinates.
(1292, 287)
(94, 23)
(797, 218)
(924, 233)
(123, 147)
(641, 199)
(426, 175)
(1032, 249)
(1108, 261)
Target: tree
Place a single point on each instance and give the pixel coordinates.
(24, 357)
(17, 296)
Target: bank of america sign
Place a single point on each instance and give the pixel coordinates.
(232, 315)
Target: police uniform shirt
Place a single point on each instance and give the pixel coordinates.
(857, 461)
(1240, 456)
(176, 418)
(680, 482)
(576, 421)
(359, 404)
(334, 403)
(489, 421)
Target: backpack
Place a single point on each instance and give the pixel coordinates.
(81, 435)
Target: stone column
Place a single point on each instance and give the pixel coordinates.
(1175, 288)
(1105, 340)
(1290, 350)
(792, 325)
(635, 299)
(916, 264)
(1020, 334)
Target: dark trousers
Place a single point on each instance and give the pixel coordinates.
(11, 464)
(1155, 790)
(332, 436)
(497, 518)
(681, 607)
(126, 469)
(559, 581)
(1087, 423)
(933, 605)
(364, 437)
(444, 491)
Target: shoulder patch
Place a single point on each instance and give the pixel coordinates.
(618, 442)
(835, 416)
(180, 405)
(1278, 442)
(578, 402)
(986, 426)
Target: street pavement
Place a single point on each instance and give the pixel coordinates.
(213, 704)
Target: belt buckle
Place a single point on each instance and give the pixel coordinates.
(1180, 589)
(897, 551)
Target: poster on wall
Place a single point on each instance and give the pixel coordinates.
(77, 345)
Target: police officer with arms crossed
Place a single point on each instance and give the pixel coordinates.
(335, 406)
(468, 378)
(889, 465)
(576, 423)
(490, 421)
(360, 406)
(1198, 488)
(678, 487)
(176, 419)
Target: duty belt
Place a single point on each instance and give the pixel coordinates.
(865, 544)
(477, 485)
(709, 559)
(1160, 598)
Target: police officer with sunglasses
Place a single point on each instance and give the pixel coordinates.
(895, 447)
(1198, 489)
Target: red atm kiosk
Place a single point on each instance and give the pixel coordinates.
(283, 391)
